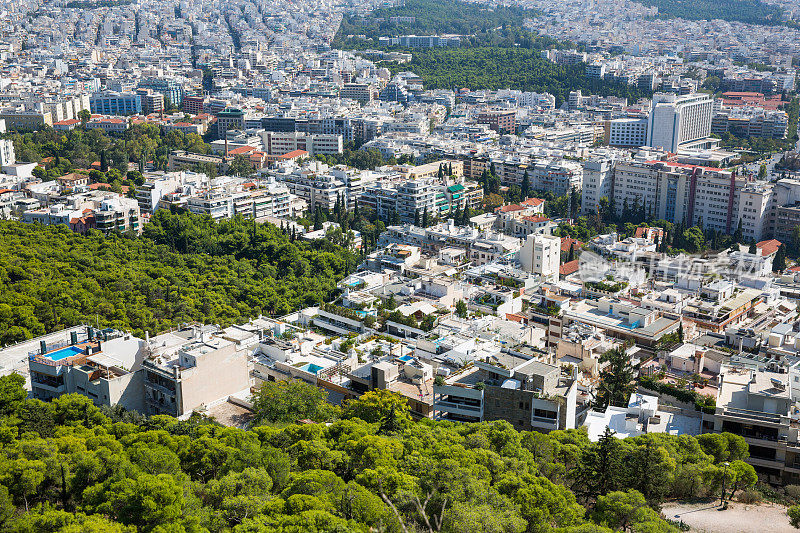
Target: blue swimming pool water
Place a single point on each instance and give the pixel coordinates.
(63, 353)
(405, 358)
(311, 367)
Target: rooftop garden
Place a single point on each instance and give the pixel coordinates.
(342, 311)
(609, 286)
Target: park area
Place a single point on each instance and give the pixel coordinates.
(706, 517)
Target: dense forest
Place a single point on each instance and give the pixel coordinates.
(504, 68)
(183, 268)
(68, 466)
(749, 11)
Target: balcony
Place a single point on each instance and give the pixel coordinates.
(160, 388)
(748, 415)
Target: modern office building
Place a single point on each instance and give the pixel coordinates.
(114, 103)
(678, 122)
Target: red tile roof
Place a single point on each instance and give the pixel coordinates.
(568, 268)
(532, 202)
(241, 150)
(509, 208)
(769, 247)
(566, 242)
(536, 218)
(293, 154)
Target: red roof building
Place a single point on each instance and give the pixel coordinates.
(566, 242)
(769, 247)
(568, 268)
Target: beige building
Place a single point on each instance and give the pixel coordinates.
(191, 368)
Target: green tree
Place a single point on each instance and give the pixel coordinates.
(794, 516)
(379, 406)
(461, 309)
(241, 166)
(288, 401)
(601, 470)
(779, 261)
(744, 476)
(628, 511)
(616, 379)
(146, 501)
(12, 396)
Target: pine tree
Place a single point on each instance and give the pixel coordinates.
(457, 215)
(103, 162)
(417, 218)
(571, 254)
(426, 221)
(752, 248)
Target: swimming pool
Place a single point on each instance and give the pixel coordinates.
(405, 358)
(311, 367)
(63, 353)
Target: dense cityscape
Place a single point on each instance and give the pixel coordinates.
(402, 266)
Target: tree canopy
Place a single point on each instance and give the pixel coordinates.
(69, 466)
(183, 268)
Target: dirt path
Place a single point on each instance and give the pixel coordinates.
(739, 518)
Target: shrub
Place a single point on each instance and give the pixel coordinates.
(792, 491)
(750, 496)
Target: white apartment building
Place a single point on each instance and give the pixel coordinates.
(280, 143)
(216, 204)
(711, 198)
(628, 131)
(557, 177)
(7, 155)
(679, 121)
(541, 254)
(598, 181)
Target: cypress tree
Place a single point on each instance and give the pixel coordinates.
(779, 262)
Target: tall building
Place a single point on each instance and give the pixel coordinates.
(679, 122)
(628, 131)
(152, 102)
(693, 195)
(499, 120)
(362, 92)
(598, 181)
(541, 254)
